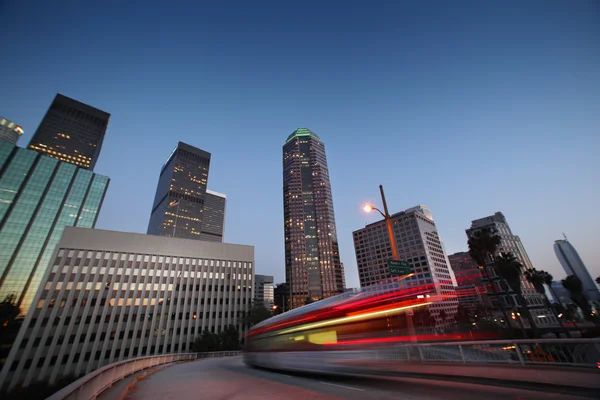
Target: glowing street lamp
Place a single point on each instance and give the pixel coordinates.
(388, 220)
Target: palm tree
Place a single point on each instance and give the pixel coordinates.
(483, 244)
(538, 279)
(598, 280)
(573, 284)
(510, 269)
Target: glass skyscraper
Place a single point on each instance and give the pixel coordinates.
(72, 132)
(9, 131)
(213, 220)
(573, 265)
(181, 193)
(312, 260)
(39, 196)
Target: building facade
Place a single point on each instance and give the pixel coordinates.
(213, 218)
(39, 196)
(180, 197)
(9, 131)
(72, 132)
(418, 244)
(573, 265)
(108, 296)
(471, 297)
(466, 271)
(510, 243)
(264, 290)
(312, 259)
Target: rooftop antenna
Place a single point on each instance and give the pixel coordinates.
(565, 236)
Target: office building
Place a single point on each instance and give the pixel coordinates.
(72, 132)
(466, 270)
(471, 297)
(573, 265)
(510, 243)
(108, 296)
(281, 295)
(312, 260)
(264, 290)
(9, 131)
(418, 244)
(39, 196)
(180, 197)
(560, 294)
(213, 217)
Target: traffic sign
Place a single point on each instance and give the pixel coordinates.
(398, 268)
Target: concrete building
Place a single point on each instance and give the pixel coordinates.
(510, 243)
(573, 265)
(470, 296)
(181, 194)
(418, 244)
(312, 260)
(9, 131)
(264, 290)
(213, 218)
(72, 132)
(108, 296)
(39, 196)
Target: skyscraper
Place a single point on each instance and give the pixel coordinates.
(573, 265)
(181, 194)
(39, 196)
(312, 260)
(213, 218)
(72, 132)
(264, 290)
(9, 131)
(418, 243)
(510, 243)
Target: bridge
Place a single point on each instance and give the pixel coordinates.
(524, 369)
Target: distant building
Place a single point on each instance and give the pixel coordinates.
(213, 218)
(465, 269)
(9, 131)
(39, 196)
(72, 132)
(108, 296)
(560, 294)
(312, 259)
(573, 265)
(264, 290)
(418, 244)
(181, 194)
(470, 296)
(510, 243)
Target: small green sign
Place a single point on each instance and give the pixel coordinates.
(398, 268)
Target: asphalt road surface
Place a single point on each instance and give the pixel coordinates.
(229, 378)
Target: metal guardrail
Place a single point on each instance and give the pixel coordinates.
(558, 352)
(94, 383)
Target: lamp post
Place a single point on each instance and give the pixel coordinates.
(388, 221)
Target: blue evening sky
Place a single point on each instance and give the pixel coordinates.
(469, 107)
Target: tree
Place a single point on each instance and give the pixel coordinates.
(229, 338)
(255, 314)
(598, 280)
(510, 269)
(208, 341)
(573, 284)
(462, 318)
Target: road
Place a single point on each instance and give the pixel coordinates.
(228, 378)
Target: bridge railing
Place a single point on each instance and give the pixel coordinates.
(94, 383)
(561, 352)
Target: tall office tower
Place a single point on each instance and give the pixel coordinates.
(573, 265)
(465, 269)
(39, 196)
(264, 290)
(312, 260)
(213, 218)
(72, 132)
(9, 131)
(418, 243)
(181, 194)
(510, 243)
(108, 296)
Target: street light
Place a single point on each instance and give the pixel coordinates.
(388, 220)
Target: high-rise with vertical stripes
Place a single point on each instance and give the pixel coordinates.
(312, 260)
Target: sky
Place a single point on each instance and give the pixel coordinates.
(468, 107)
